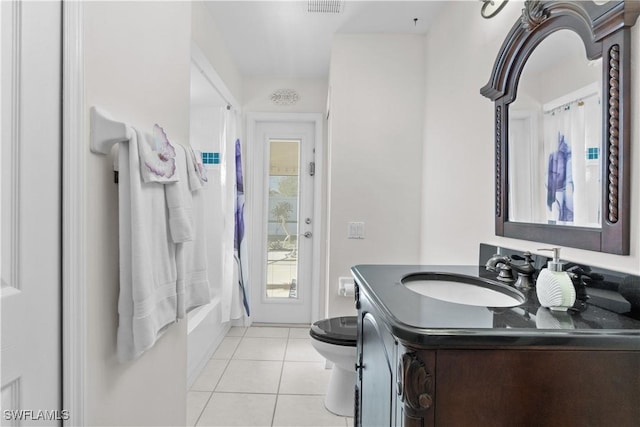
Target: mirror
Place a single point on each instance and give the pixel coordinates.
(560, 85)
(555, 136)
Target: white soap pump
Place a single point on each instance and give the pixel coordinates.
(554, 287)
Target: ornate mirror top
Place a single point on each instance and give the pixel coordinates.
(604, 31)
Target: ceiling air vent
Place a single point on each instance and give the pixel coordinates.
(325, 6)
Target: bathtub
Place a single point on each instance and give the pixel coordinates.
(205, 333)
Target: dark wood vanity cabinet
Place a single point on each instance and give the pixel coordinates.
(537, 388)
(400, 383)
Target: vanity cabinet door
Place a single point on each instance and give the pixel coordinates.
(376, 372)
(537, 388)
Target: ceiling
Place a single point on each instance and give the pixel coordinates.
(281, 39)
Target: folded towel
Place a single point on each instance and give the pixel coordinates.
(147, 302)
(157, 157)
(179, 202)
(196, 170)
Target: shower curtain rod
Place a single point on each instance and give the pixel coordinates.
(202, 72)
(579, 94)
(565, 106)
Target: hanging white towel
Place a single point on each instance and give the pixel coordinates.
(191, 263)
(191, 254)
(195, 169)
(179, 201)
(147, 303)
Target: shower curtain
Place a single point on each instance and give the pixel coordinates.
(232, 297)
(525, 188)
(239, 242)
(572, 140)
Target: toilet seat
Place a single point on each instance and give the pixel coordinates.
(336, 330)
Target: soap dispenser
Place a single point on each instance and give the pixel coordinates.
(554, 287)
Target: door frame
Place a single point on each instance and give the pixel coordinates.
(255, 218)
(74, 229)
(74, 143)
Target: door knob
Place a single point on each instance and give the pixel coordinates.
(307, 234)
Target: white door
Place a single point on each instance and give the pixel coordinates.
(283, 196)
(30, 177)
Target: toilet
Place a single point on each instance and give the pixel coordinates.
(335, 340)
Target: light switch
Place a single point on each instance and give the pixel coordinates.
(355, 230)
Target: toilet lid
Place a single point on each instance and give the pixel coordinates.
(336, 330)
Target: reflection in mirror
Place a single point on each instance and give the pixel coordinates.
(555, 136)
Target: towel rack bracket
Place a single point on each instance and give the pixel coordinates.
(105, 132)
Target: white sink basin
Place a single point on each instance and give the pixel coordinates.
(462, 289)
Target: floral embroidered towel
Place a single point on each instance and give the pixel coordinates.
(157, 157)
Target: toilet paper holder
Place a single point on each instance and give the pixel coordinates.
(346, 286)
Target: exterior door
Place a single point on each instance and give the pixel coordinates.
(281, 290)
(30, 191)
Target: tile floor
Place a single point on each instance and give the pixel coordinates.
(263, 376)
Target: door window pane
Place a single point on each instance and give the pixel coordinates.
(282, 221)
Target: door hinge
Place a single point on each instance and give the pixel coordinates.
(312, 168)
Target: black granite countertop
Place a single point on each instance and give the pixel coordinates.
(430, 322)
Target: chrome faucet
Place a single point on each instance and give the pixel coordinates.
(525, 272)
(501, 263)
(507, 266)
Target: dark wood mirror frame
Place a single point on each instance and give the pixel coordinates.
(605, 32)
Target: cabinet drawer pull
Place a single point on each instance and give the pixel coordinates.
(418, 383)
(425, 401)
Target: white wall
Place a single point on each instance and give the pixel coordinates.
(137, 68)
(375, 152)
(458, 181)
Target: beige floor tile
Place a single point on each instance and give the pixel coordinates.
(235, 409)
(196, 401)
(250, 376)
(236, 331)
(227, 347)
(246, 386)
(301, 350)
(267, 332)
(304, 378)
(302, 411)
(210, 375)
(261, 349)
(299, 332)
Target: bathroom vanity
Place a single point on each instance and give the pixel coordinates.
(424, 361)
(434, 352)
